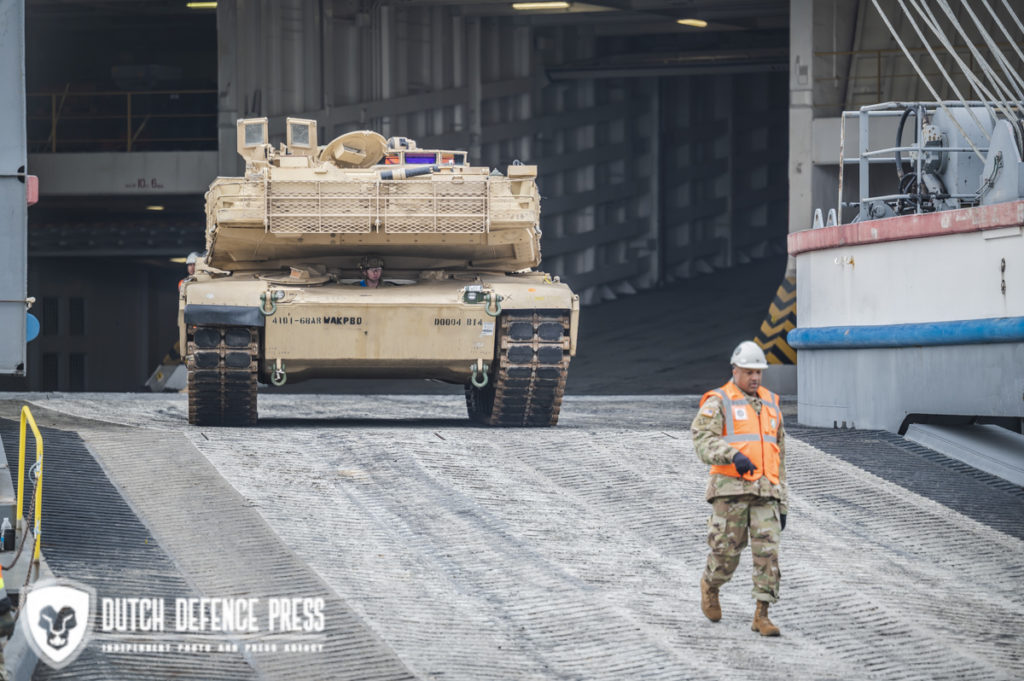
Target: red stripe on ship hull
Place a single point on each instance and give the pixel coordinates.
(902, 227)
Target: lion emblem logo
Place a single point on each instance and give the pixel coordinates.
(58, 614)
(57, 625)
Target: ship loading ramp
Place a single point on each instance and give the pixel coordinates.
(446, 551)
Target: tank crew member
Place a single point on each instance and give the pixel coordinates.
(190, 266)
(373, 269)
(738, 432)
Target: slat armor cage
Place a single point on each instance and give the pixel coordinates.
(438, 205)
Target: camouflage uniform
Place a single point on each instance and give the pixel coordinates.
(737, 504)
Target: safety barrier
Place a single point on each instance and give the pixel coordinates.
(37, 470)
(781, 320)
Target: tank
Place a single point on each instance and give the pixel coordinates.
(285, 290)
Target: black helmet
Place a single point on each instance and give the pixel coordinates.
(368, 262)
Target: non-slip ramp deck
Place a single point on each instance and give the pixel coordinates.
(90, 535)
(164, 524)
(575, 552)
(978, 495)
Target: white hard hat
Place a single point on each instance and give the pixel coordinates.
(192, 257)
(748, 355)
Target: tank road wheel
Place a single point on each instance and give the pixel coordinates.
(533, 361)
(222, 367)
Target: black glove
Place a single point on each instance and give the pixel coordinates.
(782, 517)
(743, 464)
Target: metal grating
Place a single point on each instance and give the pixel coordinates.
(456, 205)
(509, 207)
(321, 207)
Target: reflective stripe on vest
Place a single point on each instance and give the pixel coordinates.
(752, 433)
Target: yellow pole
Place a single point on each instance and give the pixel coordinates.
(21, 467)
(26, 417)
(39, 512)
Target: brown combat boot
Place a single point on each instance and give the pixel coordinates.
(762, 624)
(709, 601)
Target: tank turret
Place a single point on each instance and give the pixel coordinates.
(360, 194)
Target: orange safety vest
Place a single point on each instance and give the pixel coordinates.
(755, 435)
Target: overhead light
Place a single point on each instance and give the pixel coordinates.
(201, 5)
(539, 5)
(179, 261)
(154, 207)
(696, 23)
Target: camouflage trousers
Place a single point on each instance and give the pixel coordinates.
(727, 536)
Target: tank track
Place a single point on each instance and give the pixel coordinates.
(222, 364)
(526, 386)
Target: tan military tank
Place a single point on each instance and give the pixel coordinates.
(280, 295)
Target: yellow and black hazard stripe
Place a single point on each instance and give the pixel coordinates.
(780, 321)
(173, 355)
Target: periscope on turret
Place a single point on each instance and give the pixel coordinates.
(277, 296)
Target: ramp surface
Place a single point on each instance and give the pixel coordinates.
(172, 528)
(575, 552)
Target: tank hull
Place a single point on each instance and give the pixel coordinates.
(425, 329)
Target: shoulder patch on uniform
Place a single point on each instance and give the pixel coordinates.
(707, 411)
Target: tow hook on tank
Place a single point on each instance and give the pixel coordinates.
(279, 376)
(480, 369)
(497, 298)
(274, 297)
(476, 293)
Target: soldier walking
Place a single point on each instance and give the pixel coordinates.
(738, 432)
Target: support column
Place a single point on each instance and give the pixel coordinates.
(435, 125)
(811, 24)
(780, 319)
(385, 64)
(657, 230)
(458, 79)
(229, 89)
(475, 90)
(13, 205)
(327, 57)
(801, 116)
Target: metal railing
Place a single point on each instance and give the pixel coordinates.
(37, 470)
(920, 153)
(121, 121)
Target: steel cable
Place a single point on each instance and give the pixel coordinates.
(1003, 93)
(930, 20)
(949, 79)
(1013, 79)
(924, 78)
(1006, 33)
